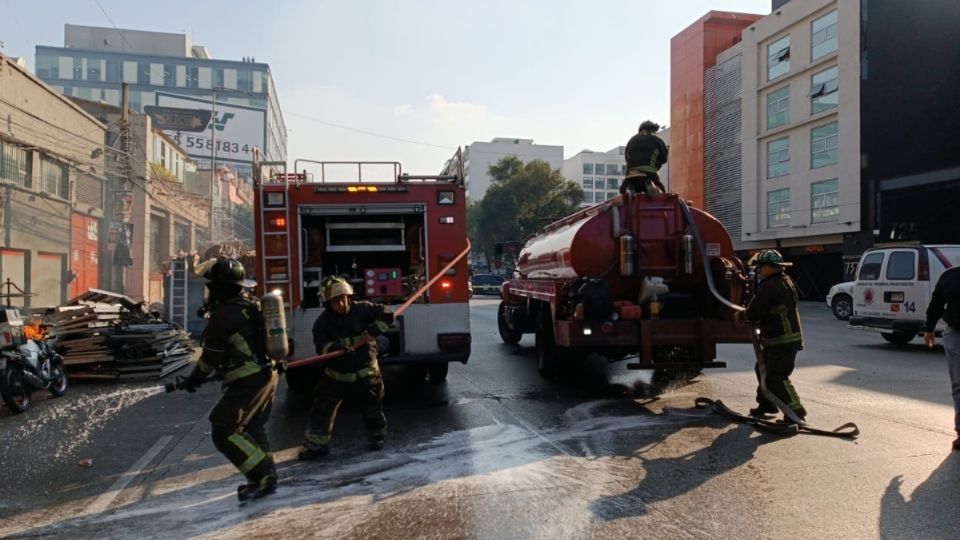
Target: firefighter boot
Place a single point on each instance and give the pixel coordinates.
(256, 490)
(762, 411)
(313, 453)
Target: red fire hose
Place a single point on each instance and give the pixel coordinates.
(403, 307)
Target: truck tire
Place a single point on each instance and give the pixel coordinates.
(438, 372)
(553, 361)
(898, 337)
(507, 334)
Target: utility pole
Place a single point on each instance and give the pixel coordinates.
(214, 196)
(122, 252)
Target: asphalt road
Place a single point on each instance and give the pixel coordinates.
(498, 452)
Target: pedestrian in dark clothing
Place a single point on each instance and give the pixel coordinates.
(343, 324)
(645, 154)
(945, 303)
(774, 310)
(233, 343)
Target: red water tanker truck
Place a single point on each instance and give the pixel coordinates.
(649, 280)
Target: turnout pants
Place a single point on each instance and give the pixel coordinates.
(951, 346)
(779, 363)
(238, 421)
(329, 393)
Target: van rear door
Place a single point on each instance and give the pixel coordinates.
(901, 294)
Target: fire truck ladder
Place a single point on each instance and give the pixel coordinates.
(177, 310)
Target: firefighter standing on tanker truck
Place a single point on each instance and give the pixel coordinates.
(773, 309)
(235, 342)
(645, 153)
(343, 325)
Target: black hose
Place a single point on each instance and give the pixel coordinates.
(703, 257)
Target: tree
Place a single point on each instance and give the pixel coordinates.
(519, 202)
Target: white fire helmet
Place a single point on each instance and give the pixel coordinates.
(333, 287)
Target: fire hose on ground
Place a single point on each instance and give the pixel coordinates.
(403, 307)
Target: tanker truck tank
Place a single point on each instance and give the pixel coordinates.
(634, 275)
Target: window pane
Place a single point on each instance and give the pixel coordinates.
(778, 208)
(778, 107)
(612, 183)
(823, 92)
(824, 35)
(901, 265)
(823, 145)
(778, 58)
(824, 201)
(588, 183)
(15, 164)
(613, 170)
(778, 158)
(588, 168)
(870, 267)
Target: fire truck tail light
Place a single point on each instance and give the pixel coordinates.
(448, 220)
(446, 284)
(278, 223)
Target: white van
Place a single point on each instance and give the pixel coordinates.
(893, 287)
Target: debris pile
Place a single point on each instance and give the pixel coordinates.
(104, 335)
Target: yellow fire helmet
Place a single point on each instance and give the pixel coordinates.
(333, 287)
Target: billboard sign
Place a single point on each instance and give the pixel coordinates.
(239, 129)
(174, 119)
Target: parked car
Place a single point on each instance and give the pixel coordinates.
(487, 284)
(894, 285)
(840, 300)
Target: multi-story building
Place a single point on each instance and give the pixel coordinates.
(826, 166)
(52, 174)
(167, 70)
(161, 204)
(601, 173)
(479, 156)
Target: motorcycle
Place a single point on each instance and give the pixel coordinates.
(27, 368)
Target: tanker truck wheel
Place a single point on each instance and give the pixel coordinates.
(552, 360)
(507, 334)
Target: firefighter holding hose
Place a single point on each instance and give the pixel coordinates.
(352, 327)
(234, 343)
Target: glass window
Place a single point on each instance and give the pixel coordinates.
(825, 201)
(53, 177)
(599, 168)
(778, 58)
(588, 168)
(244, 80)
(181, 237)
(143, 73)
(778, 208)
(823, 145)
(870, 266)
(901, 265)
(15, 164)
(778, 158)
(114, 73)
(193, 77)
(778, 107)
(43, 66)
(824, 35)
(588, 197)
(823, 91)
(588, 183)
(65, 67)
(94, 69)
(158, 243)
(612, 183)
(612, 194)
(613, 170)
(205, 77)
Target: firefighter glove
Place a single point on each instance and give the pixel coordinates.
(280, 366)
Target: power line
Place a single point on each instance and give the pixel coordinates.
(107, 15)
(371, 133)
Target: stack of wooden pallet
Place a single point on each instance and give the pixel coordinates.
(104, 335)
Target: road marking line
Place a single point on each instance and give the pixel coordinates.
(106, 499)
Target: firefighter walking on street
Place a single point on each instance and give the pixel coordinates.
(774, 310)
(233, 343)
(343, 324)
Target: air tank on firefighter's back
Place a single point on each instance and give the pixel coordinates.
(626, 239)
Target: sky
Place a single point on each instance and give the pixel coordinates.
(380, 80)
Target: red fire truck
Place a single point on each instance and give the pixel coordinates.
(388, 233)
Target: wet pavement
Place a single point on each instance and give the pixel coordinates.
(498, 452)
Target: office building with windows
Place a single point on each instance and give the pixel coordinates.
(479, 156)
(168, 69)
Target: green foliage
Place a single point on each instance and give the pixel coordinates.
(522, 199)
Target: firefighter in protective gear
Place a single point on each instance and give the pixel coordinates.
(342, 326)
(774, 310)
(233, 342)
(645, 154)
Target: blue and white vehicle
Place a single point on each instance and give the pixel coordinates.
(840, 300)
